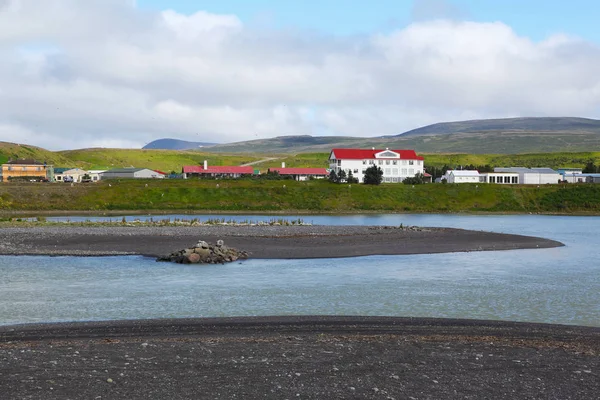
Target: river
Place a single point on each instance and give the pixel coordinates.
(560, 285)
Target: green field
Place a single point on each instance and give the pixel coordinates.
(249, 195)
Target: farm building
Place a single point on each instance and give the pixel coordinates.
(96, 174)
(505, 178)
(301, 174)
(216, 172)
(533, 176)
(132, 173)
(395, 164)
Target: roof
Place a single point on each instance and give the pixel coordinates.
(199, 169)
(59, 171)
(73, 171)
(366, 154)
(95, 171)
(425, 174)
(123, 170)
(464, 172)
(160, 172)
(300, 171)
(526, 170)
(25, 162)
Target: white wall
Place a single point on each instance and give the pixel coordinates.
(391, 173)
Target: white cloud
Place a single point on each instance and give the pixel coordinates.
(105, 73)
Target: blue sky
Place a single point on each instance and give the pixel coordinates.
(533, 18)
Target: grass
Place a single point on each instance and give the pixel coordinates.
(283, 196)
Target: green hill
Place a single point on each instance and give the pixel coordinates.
(11, 151)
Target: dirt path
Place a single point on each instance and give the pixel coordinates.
(260, 161)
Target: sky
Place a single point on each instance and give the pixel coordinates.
(121, 73)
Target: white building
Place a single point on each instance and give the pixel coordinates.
(461, 176)
(533, 176)
(504, 178)
(96, 174)
(395, 164)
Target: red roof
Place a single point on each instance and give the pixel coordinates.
(300, 171)
(426, 174)
(160, 172)
(362, 154)
(199, 169)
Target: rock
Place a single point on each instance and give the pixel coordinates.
(205, 253)
(193, 258)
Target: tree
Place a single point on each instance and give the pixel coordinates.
(351, 178)
(373, 175)
(341, 176)
(590, 168)
(333, 177)
(418, 179)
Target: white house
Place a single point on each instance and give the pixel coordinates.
(395, 164)
(533, 176)
(461, 176)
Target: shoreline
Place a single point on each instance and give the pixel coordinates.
(160, 212)
(300, 356)
(261, 242)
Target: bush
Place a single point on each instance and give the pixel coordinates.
(418, 179)
(373, 175)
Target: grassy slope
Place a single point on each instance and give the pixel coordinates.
(321, 196)
(12, 151)
(164, 160)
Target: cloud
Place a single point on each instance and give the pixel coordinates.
(105, 73)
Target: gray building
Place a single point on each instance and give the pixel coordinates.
(533, 176)
(592, 178)
(132, 173)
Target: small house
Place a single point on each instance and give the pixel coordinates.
(131, 173)
(205, 171)
(301, 174)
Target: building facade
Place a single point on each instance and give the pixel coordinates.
(396, 165)
(301, 174)
(26, 170)
(503, 178)
(534, 176)
(461, 176)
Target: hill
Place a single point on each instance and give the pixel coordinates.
(498, 136)
(174, 144)
(10, 151)
(546, 124)
(164, 160)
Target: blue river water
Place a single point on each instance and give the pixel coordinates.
(560, 285)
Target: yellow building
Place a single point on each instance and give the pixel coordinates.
(26, 170)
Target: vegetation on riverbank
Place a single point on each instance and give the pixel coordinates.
(248, 195)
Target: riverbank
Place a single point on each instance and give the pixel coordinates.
(266, 242)
(300, 357)
(318, 196)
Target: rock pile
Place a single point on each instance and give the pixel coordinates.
(204, 253)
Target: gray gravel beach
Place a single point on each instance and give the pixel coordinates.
(285, 242)
(299, 357)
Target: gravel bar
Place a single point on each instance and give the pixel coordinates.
(299, 357)
(267, 242)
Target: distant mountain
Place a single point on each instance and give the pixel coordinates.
(174, 144)
(544, 124)
(492, 136)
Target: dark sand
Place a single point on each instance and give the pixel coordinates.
(286, 242)
(299, 357)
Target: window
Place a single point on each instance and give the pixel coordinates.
(39, 168)
(492, 179)
(339, 162)
(387, 171)
(24, 168)
(411, 162)
(395, 171)
(364, 162)
(395, 180)
(411, 172)
(380, 162)
(395, 162)
(515, 179)
(355, 171)
(388, 154)
(403, 162)
(507, 179)
(371, 162)
(404, 171)
(387, 162)
(10, 168)
(388, 180)
(364, 171)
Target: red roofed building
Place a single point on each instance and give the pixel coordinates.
(396, 164)
(217, 171)
(301, 174)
